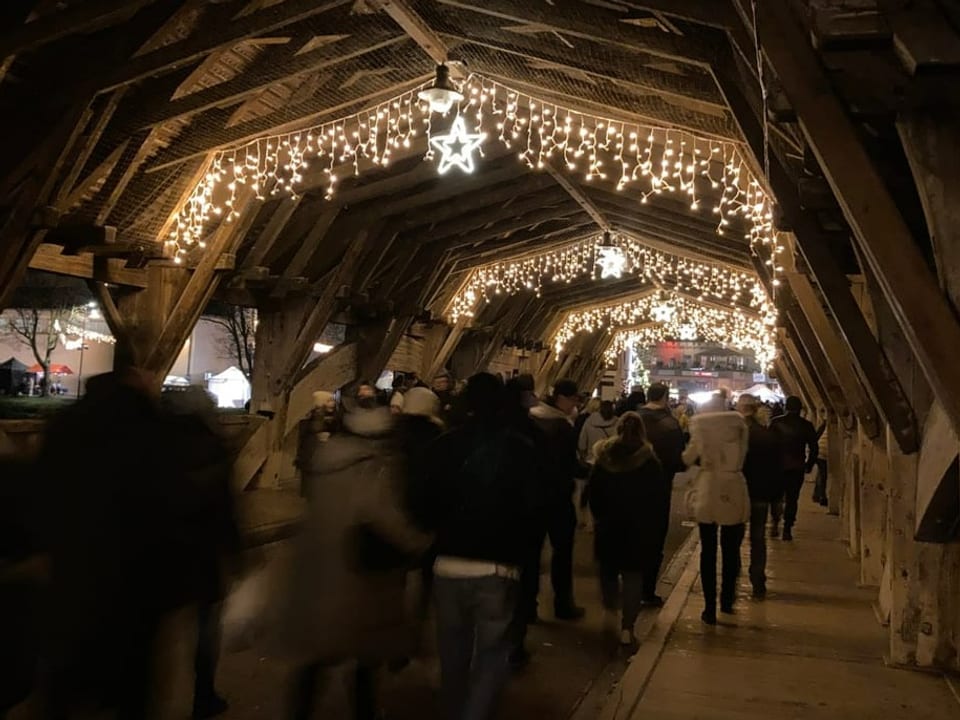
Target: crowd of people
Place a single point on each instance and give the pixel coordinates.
(458, 485)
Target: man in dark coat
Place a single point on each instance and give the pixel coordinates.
(484, 486)
(114, 554)
(665, 435)
(555, 420)
(763, 469)
(799, 443)
(207, 528)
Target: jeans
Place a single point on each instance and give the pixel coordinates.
(787, 508)
(308, 680)
(474, 619)
(758, 545)
(560, 527)
(631, 597)
(731, 536)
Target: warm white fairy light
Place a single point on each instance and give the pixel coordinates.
(664, 315)
(707, 281)
(656, 160)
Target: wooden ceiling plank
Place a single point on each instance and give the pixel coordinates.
(80, 18)
(564, 19)
(266, 72)
(221, 34)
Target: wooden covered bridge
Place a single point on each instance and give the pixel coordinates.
(779, 175)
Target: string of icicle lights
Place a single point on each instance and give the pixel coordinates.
(654, 159)
(581, 259)
(667, 315)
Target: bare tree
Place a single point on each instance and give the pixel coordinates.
(240, 324)
(39, 330)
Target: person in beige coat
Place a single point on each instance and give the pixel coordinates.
(718, 443)
(345, 594)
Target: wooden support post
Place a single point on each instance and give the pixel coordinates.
(450, 343)
(835, 352)
(882, 235)
(808, 353)
(872, 506)
(836, 478)
(801, 369)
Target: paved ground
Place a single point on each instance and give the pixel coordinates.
(812, 651)
(570, 660)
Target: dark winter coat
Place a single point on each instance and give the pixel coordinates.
(485, 491)
(630, 500)
(560, 444)
(666, 436)
(207, 526)
(763, 466)
(799, 441)
(415, 435)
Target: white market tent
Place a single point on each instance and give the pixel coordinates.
(762, 393)
(231, 388)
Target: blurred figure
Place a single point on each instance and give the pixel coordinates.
(519, 399)
(484, 485)
(313, 430)
(630, 499)
(21, 578)
(798, 440)
(366, 395)
(209, 524)
(442, 386)
(417, 428)
(718, 441)
(820, 489)
(115, 543)
(664, 433)
(764, 474)
(346, 595)
(396, 395)
(633, 401)
(587, 406)
(555, 420)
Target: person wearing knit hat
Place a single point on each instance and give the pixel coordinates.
(422, 401)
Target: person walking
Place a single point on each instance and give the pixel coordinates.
(630, 500)
(483, 485)
(820, 489)
(555, 419)
(345, 594)
(764, 474)
(799, 442)
(666, 436)
(718, 441)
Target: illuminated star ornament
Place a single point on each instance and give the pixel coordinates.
(456, 147)
(612, 261)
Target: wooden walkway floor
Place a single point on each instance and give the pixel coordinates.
(813, 650)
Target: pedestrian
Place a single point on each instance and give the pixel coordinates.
(820, 489)
(718, 442)
(600, 424)
(763, 471)
(664, 433)
(485, 497)
(345, 591)
(208, 523)
(630, 500)
(555, 420)
(799, 442)
(313, 430)
(632, 402)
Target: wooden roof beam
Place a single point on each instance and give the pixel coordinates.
(578, 196)
(80, 18)
(414, 26)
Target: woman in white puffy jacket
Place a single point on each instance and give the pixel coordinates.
(719, 498)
